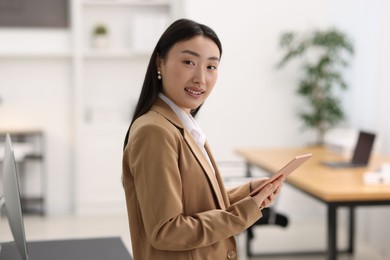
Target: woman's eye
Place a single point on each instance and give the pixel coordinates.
(212, 67)
(188, 62)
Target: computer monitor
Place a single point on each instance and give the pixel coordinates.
(11, 199)
(363, 148)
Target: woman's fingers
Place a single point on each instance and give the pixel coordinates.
(268, 194)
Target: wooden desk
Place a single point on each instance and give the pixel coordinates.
(334, 187)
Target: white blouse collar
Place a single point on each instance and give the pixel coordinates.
(188, 121)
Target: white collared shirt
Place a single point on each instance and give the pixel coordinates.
(189, 124)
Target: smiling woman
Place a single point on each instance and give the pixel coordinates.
(178, 207)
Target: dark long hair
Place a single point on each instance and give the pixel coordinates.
(180, 30)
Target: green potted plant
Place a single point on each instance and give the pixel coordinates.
(100, 36)
(322, 54)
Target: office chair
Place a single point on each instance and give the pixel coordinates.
(234, 170)
(270, 217)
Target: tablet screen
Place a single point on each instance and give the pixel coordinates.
(286, 170)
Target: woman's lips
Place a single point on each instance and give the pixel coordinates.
(194, 91)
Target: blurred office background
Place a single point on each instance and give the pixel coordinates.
(55, 77)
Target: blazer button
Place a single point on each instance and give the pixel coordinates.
(231, 255)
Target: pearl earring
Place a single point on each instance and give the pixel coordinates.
(159, 75)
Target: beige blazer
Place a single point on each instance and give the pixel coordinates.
(178, 208)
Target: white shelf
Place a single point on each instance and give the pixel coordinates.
(100, 127)
(114, 53)
(35, 54)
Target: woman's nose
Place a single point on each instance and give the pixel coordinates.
(199, 76)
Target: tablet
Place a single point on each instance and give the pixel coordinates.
(286, 170)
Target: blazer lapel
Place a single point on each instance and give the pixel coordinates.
(201, 157)
(217, 175)
(163, 108)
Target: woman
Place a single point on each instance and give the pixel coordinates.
(177, 205)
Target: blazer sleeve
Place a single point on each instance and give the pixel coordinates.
(153, 157)
(238, 193)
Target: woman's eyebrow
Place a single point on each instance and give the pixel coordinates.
(198, 55)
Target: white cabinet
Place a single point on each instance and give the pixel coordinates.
(108, 76)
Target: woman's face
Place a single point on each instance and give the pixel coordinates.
(190, 71)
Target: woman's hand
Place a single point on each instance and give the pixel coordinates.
(256, 183)
(266, 196)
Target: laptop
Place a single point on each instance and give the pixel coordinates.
(361, 154)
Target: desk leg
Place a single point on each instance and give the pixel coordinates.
(332, 234)
(248, 170)
(351, 229)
